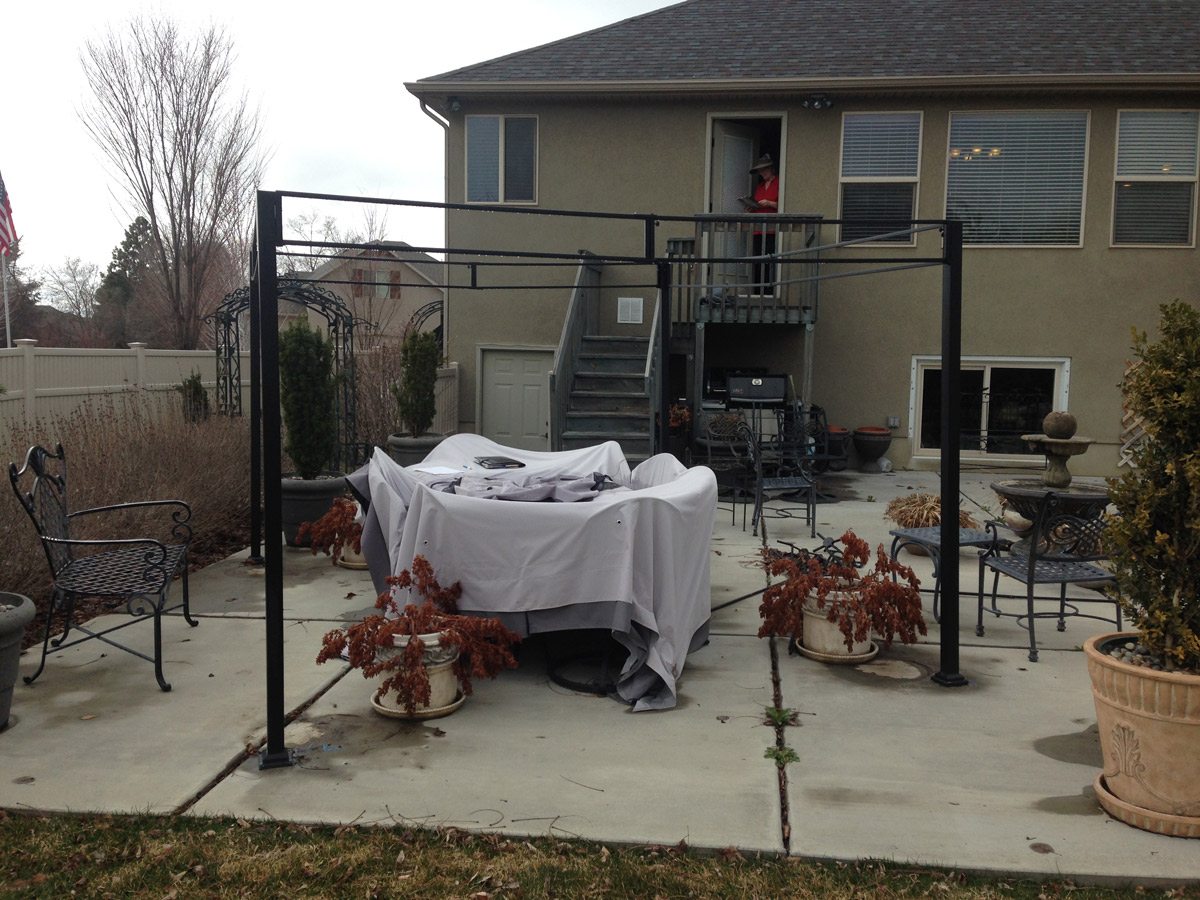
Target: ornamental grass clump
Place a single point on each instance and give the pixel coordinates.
(881, 603)
(390, 643)
(922, 510)
(1155, 540)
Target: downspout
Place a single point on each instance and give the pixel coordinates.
(445, 125)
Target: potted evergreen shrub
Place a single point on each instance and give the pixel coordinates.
(423, 654)
(1146, 684)
(835, 608)
(307, 393)
(420, 355)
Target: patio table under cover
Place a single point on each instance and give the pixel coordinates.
(634, 560)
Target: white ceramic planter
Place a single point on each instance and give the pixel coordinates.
(823, 640)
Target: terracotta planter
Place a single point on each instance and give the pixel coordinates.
(1149, 725)
(871, 442)
(822, 640)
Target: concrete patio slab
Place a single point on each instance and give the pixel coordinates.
(526, 757)
(993, 776)
(94, 732)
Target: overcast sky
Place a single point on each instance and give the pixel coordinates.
(327, 76)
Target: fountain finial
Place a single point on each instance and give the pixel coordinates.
(1058, 443)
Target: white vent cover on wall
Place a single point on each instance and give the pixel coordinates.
(629, 310)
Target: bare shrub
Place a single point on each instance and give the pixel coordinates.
(376, 370)
(134, 448)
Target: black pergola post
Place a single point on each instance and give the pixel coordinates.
(664, 345)
(270, 234)
(256, 556)
(948, 674)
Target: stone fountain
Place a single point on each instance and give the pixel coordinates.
(1058, 443)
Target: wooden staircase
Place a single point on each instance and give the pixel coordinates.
(608, 399)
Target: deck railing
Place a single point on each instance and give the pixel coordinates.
(747, 269)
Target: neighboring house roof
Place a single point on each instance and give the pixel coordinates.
(785, 44)
(423, 264)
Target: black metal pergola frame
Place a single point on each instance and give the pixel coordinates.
(264, 370)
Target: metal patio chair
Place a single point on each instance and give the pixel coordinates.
(783, 468)
(1062, 549)
(137, 571)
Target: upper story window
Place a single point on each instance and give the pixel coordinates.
(1154, 196)
(1016, 178)
(502, 159)
(881, 158)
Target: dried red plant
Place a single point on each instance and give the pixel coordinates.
(334, 531)
(483, 645)
(883, 602)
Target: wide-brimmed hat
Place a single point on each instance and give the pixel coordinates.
(763, 162)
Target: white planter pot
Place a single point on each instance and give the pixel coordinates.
(444, 696)
(823, 640)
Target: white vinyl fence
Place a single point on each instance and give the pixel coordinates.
(51, 382)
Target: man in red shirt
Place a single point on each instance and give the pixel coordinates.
(766, 200)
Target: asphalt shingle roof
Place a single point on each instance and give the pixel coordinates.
(715, 40)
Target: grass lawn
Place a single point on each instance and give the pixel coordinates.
(142, 856)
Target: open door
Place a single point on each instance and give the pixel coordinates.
(734, 149)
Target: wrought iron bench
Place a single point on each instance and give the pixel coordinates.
(138, 571)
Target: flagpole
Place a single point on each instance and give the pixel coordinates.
(7, 322)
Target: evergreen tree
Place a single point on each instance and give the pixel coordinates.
(118, 310)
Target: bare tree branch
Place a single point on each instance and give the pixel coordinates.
(185, 151)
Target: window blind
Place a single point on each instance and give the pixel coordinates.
(880, 145)
(1156, 176)
(1017, 178)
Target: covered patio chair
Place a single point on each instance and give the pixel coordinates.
(135, 570)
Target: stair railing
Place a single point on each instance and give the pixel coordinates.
(652, 375)
(570, 345)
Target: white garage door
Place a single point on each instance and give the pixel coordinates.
(515, 397)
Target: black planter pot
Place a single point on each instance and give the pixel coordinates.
(407, 450)
(871, 442)
(306, 500)
(16, 612)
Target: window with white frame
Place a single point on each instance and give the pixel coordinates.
(1017, 177)
(1154, 197)
(881, 156)
(502, 159)
(1002, 399)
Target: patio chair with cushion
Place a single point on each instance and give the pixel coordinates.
(1062, 549)
(137, 571)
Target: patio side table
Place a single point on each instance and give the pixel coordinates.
(930, 538)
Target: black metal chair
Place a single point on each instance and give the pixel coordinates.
(1062, 549)
(137, 571)
(790, 474)
(729, 443)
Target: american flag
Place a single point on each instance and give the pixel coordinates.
(8, 231)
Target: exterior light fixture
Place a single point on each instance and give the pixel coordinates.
(455, 105)
(816, 102)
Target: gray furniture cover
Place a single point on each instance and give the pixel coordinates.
(634, 560)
